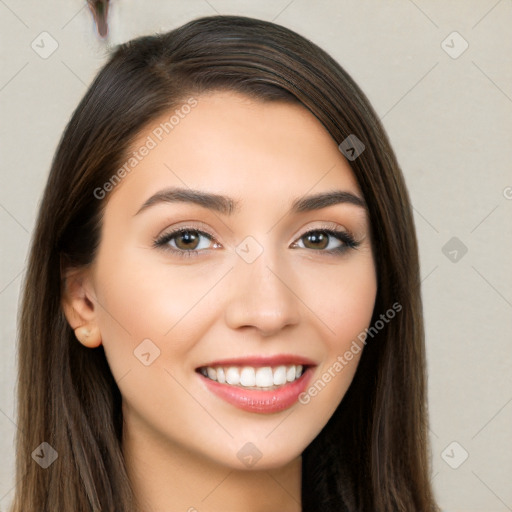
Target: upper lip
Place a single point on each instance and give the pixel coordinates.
(257, 361)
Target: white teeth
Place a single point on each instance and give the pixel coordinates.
(290, 373)
(247, 376)
(232, 376)
(264, 377)
(221, 377)
(280, 376)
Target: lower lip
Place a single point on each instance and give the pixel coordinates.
(252, 400)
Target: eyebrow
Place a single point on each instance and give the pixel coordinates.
(227, 206)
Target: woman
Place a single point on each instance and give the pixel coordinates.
(222, 309)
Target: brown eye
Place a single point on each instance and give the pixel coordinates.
(186, 240)
(329, 241)
(317, 239)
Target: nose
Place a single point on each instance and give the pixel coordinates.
(262, 296)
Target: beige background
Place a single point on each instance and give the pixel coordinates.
(449, 120)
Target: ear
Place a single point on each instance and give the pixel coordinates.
(79, 305)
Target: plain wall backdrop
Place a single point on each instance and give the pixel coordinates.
(439, 74)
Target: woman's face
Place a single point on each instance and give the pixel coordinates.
(252, 290)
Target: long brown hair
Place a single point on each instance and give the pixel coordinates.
(373, 453)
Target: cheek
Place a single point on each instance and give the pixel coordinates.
(142, 297)
(342, 296)
(145, 298)
(352, 308)
(150, 320)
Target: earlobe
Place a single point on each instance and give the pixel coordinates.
(88, 335)
(79, 308)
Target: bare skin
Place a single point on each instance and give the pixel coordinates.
(180, 440)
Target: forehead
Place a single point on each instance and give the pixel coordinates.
(228, 143)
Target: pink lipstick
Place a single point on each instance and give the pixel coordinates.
(259, 384)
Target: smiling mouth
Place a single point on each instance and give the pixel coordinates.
(263, 378)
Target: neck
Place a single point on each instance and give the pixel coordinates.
(166, 476)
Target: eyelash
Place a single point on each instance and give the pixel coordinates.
(343, 236)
